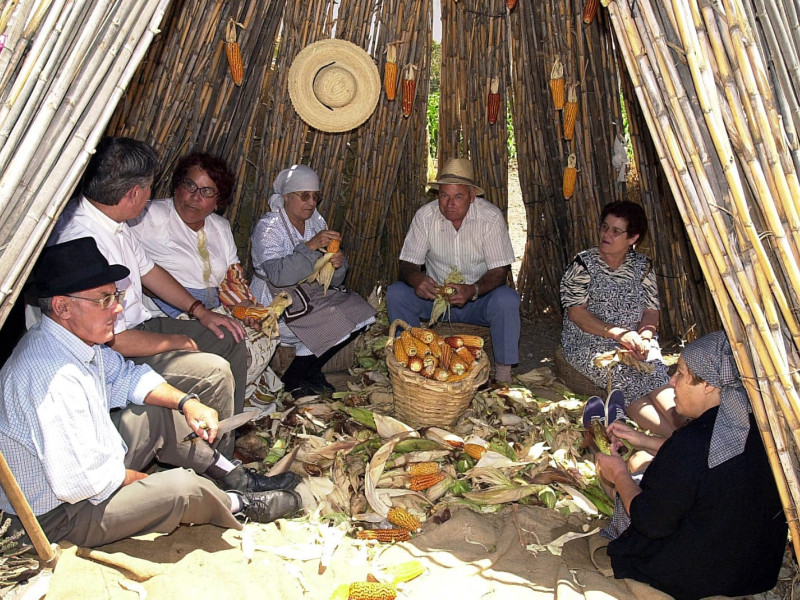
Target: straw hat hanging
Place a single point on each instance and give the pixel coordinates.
(334, 85)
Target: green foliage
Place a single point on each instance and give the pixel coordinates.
(436, 67)
(433, 122)
(511, 142)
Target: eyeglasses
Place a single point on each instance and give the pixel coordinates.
(106, 301)
(306, 196)
(191, 187)
(615, 231)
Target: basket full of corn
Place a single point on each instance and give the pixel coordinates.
(434, 378)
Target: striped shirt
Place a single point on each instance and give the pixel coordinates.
(55, 429)
(482, 243)
(116, 242)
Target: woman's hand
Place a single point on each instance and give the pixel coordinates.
(638, 346)
(611, 467)
(337, 260)
(322, 239)
(619, 431)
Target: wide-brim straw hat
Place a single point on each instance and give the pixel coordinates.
(457, 171)
(334, 85)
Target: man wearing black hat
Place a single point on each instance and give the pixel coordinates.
(79, 465)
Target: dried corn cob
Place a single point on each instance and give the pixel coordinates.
(409, 86)
(415, 363)
(384, 535)
(402, 518)
(390, 72)
(477, 353)
(436, 348)
(430, 361)
(453, 377)
(510, 4)
(447, 353)
(476, 451)
(405, 571)
(457, 365)
(570, 177)
(454, 341)
(233, 52)
(422, 468)
(441, 375)
(408, 343)
(367, 590)
(422, 348)
(428, 370)
(570, 112)
(422, 482)
(425, 335)
(473, 341)
(333, 246)
(590, 10)
(493, 101)
(557, 84)
(465, 355)
(400, 352)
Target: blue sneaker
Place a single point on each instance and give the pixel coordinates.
(594, 409)
(615, 406)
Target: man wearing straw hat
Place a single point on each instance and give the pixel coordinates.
(116, 188)
(706, 518)
(460, 229)
(79, 423)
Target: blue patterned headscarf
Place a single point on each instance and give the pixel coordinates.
(711, 358)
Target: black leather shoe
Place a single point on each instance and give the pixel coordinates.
(265, 507)
(243, 479)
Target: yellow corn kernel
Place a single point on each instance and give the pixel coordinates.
(402, 518)
(408, 343)
(384, 535)
(426, 335)
(422, 348)
(422, 482)
(400, 352)
(422, 468)
(457, 365)
(473, 341)
(476, 451)
(570, 177)
(465, 355)
(557, 84)
(367, 590)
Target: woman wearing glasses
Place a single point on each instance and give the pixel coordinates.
(185, 236)
(286, 244)
(610, 299)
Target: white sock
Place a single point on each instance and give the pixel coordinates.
(502, 373)
(223, 464)
(236, 502)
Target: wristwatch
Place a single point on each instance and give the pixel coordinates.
(185, 399)
(477, 292)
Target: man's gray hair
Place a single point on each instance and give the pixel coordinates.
(118, 165)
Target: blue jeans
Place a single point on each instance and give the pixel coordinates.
(498, 310)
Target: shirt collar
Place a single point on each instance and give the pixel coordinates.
(99, 217)
(82, 351)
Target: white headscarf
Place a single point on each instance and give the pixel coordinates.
(297, 178)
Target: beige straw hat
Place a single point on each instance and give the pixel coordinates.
(457, 171)
(334, 85)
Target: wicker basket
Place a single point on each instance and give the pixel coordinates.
(422, 402)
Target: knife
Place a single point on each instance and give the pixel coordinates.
(228, 424)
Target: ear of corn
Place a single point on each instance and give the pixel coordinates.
(454, 341)
(405, 571)
(441, 375)
(402, 518)
(400, 352)
(384, 535)
(422, 468)
(422, 348)
(367, 590)
(477, 353)
(465, 355)
(408, 343)
(493, 101)
(457, 365)
(333, 246)
(557, 84)
(436, 348)
(426, 335)
(570, 177)
(418, 483)
(570, 112)
(390, 72)
(430, 361)
(474, 341)
(234, 53)
(409, 86)
(600, 436)
(428, 370)
(590, 10)
(510, 4)
(447, 353)
(476, 451)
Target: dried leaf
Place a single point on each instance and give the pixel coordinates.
(133, 586)
(389, 426)
(373, 475)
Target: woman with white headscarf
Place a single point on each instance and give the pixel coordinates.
(286, 244)
(706, 518)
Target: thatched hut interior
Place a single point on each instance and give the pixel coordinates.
(690, 108)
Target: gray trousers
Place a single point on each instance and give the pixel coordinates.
(218, 373)
(158, 503)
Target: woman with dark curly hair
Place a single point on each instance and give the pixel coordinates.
(610, 300)
(185, 236)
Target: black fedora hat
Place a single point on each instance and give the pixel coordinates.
(73, 266)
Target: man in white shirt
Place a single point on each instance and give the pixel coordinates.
(116, 188)
(460, 230)
(79, 424)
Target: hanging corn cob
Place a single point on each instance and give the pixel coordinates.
(557, 84)
(590, 10)
(570, 177)
(390, 72)
(570, 112)
(493, 101)
(510, 4)
(409, 86)
(233, 52)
